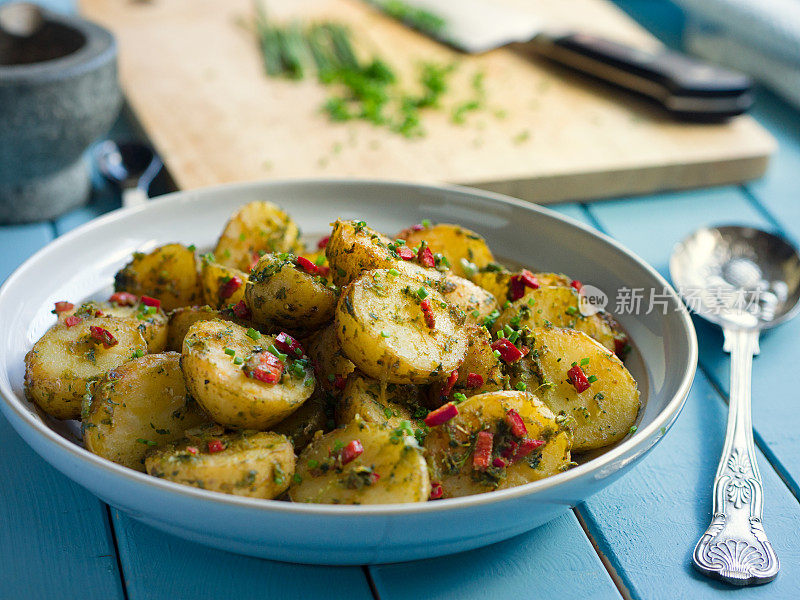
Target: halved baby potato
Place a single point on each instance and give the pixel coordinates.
(388, 405)
(66, 362)
(302, 424)
(222, 286)
(395, 328)
(497, 440)
(257, 464)
(606, 410)
(253, 230)
(465, 250)
(140, 404)
(361, 463)
(168, 273)
(234, 376)
(330, 364)
(283, 292)
(476, 302)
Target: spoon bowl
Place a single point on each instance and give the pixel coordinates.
(738, 276)
(131, 166)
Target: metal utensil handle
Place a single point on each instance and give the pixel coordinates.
(735, 547)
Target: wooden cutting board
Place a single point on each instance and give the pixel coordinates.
(193, 75)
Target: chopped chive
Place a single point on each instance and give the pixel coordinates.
(459, 397)
(253, 334)
(426, 223)
(584, 362)
(592, 379)
(394, 272)
(238, 360)
(230, 351)
(384, 334)
(521, 386)
(422, 293)
(476, 314)
(507, 330)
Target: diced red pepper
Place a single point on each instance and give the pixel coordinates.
(516, 424)
(324, 270)
(148, 301)
(576, 284)
(124, 299)
(509, 353)
(430, 320)
(286, 343)
(191, 450)
(447, 387)
(417, 227)
(215, 446)
(72, 320)
(481, 457)
(441, 415)
(425, 257)
(526, 446)
(63, 306)
(103, 336)
(254, 258)
(578, 379)
(268, 367)
(518, 283)
(621, 347)
(509, 450)
(500, 463)
(241, 310)
(474, 380)
(323, 242)
(229, 288)
(339, 382)
(406, 253)
(436, 490)
(307, 266)
(351, 451)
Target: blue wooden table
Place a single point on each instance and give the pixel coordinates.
(632, 540)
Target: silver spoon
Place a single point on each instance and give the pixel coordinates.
(21, 19)
(132, 166)
(744, 280)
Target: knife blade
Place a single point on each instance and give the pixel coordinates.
(686, 87)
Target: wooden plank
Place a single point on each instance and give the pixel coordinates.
(195, 80)
(553, 561)
(158, 565)
(647, 523)
(56, 536)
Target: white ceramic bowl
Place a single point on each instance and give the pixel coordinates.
(83, 262)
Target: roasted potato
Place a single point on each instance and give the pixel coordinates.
(396, 329)
(558, 306)
(286, 292)
(601, 414)
(475, 301)
(253, 230)
(330, 364)
(140, 404)
(354, 248)
(463, 463)
(495, 280)
(168, 273)
(361, 463)
(222, 286)
(302, 424)
(465, 251)
(181, 319)
(66, 362)
(240, 383)
(388, 404)
(479, 361)
(249, 463)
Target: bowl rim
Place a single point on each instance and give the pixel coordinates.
(634, 446)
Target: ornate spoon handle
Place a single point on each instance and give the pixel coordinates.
(735, 547)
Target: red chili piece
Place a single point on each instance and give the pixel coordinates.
(124, 299)
(215, 446)
(351, 451)
(228, 288)
(254, 258)
(576, 284)
(448, 385)
(578, 379)
(482, 456)
(499, 463)
(307, 266)
(241, 310)
(72, 320)
(406, 253)
(519, 282)
(191, 450)
(621, 347)
(286, 343)
(425, 257)
(268, 368)
(339, 382)
(436, 490)
(516, 423)
(441, 415)
(526, 446)
(323, 242)
(417, 227)
(430, 320)
(63, 306)
(474, 380)
(509, 353)
(324, 270)
(103, 336)
(148, 301)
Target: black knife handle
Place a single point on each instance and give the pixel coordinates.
(685, 86)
